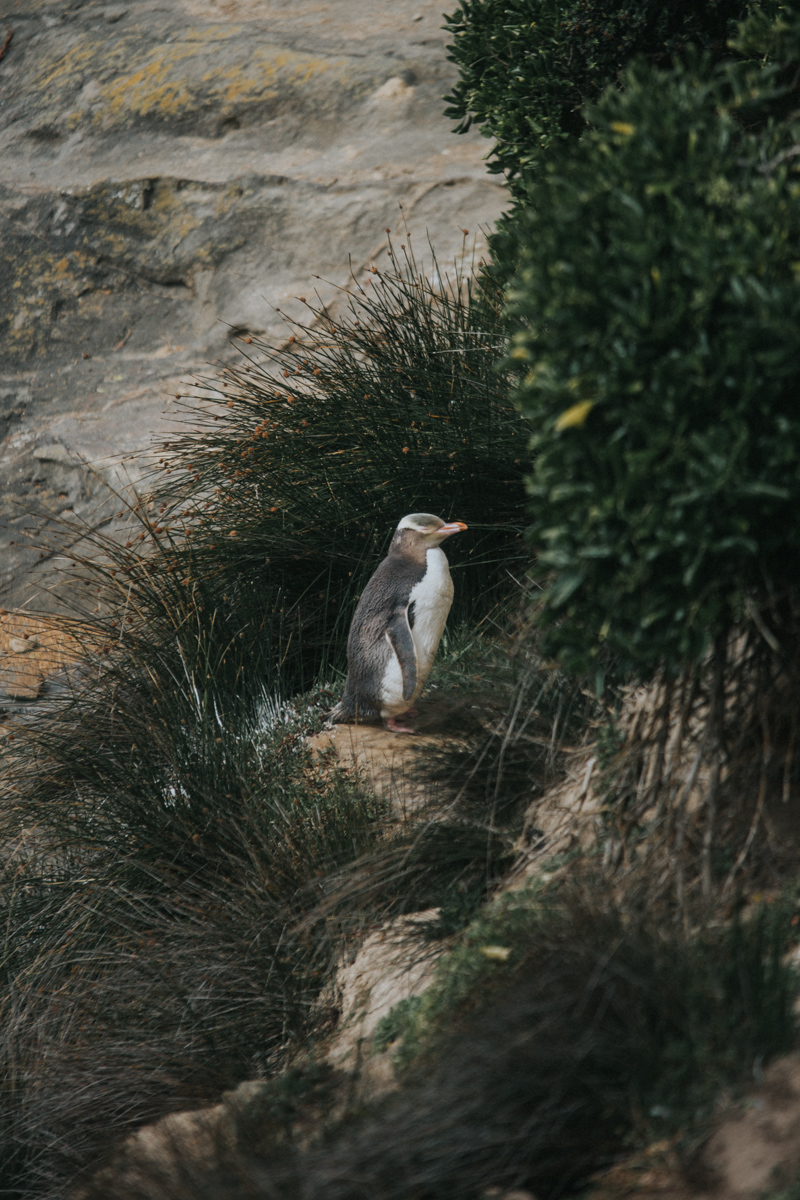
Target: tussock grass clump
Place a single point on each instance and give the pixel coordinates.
(531, 713)
(699, 775)
(156, 868)
(297, 472)
(167, 834)
(508, 721)
(564, 1028)
(560, 1028)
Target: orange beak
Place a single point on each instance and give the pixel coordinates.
(452, 527)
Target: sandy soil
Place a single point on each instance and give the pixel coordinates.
(31, 650)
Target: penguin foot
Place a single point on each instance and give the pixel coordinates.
(393, 723)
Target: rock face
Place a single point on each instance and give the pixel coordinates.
(173, 172)
(32, 651)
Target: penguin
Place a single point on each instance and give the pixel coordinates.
(398, 624)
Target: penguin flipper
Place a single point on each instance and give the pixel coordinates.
(402, 642)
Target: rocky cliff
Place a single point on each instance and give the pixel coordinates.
(173, 173)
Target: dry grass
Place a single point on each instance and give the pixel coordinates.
(699, 776)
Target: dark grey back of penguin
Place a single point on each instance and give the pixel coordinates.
(368, 650)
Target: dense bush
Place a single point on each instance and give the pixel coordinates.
(658, 359)
(528, 67)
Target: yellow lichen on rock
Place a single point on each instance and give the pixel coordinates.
(120, 235)
(31, 649)
(195, 74)
(157, 87)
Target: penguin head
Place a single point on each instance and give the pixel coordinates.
(420, 532)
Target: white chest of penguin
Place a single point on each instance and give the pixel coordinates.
(431, 599)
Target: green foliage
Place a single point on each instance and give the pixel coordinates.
(266, 1114)
(563, 1029)
(472, 790)
(697, 1010)
(467, 971)
(527, 68)
(161, 861)
(295, 484)
(396, 1024)
(658, 353)
(163, 931)
(608, 743)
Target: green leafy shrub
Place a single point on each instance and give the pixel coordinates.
(658, 354)
(527, 68)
